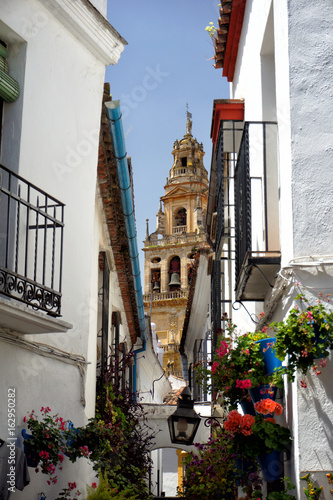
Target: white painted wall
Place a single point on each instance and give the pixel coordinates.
(50, 137)
(283, 70)
(311, 107)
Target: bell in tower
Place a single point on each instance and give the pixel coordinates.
(175, 280)
(174, 271)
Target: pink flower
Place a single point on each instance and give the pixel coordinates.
(222, 349)
(24, 419)
(215, 367)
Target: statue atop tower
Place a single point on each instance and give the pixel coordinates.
(188, 121)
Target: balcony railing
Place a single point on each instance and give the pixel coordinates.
(165, 296)
(256, 211)
(175, 239)
(248, 204)
(31, 244)
(179, 229)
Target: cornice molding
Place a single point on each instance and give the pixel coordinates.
(90, 27)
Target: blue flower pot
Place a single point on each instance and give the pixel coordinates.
(271, 465)
(318, 340)
(247, 407)
(263, 392)
(272, 363)
(31, 461)
(73, 431)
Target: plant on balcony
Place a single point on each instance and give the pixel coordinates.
(237, 366)
(306, 337)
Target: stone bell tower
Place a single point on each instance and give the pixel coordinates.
(170, 249)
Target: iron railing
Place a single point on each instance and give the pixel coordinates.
(242, 203)
(256, 193)
(31, 243)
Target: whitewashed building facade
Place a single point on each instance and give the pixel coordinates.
(58, 269)
(271, 228)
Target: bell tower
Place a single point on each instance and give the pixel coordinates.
(170, 249)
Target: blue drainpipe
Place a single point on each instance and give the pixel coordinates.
(113, 113)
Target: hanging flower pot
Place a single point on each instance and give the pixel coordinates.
(263, 392)
(272, 363)
(271, 465)
(31, 461)
(73, 431)
(304, 336)
(247, 406)
(318, 342)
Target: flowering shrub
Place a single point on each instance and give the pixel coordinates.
(210, 471)
(304, 336)
(117, 441)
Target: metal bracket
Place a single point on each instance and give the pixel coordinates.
(255, 321)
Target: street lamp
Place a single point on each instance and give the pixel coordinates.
(184, 423)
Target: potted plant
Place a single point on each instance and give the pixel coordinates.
(46, 445)
(305, 337)
(260, 437)
(237, 366)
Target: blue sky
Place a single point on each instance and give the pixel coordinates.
(164, 66)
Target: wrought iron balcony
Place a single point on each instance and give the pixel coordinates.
(247, 203)
(31, 244)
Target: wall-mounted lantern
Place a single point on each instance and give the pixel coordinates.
(184, 423)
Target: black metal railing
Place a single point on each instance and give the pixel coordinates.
(31, 243)
(256, 193)
(242, 203)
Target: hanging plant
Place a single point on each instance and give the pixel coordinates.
(306, 337)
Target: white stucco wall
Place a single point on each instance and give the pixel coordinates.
(300, 47)
(311, 92)
(50, 137)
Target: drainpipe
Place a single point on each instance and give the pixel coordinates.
(113, 113)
